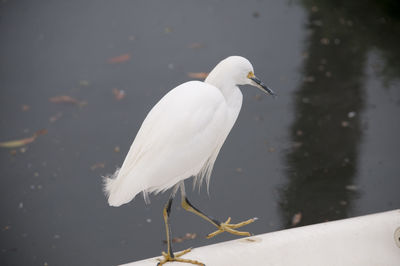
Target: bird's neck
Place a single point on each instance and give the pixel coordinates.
(227, 88)
(231, 92)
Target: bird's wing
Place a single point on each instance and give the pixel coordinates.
(175, 140)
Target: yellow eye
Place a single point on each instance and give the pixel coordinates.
(250, 75)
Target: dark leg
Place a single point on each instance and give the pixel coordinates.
(169, 256)
(166, 212)
(222, 227)
(189, 207)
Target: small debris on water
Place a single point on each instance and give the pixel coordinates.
(318, 23)
(352, 187)
(84, 83)
(7, 227)
(25, 107)
(187, 236)
(296, 219)
(351, 114)
(297, 144)
(97, 165)
(325, 41)
(118, 94)
(55, 117)
(309, 79)
(345, 124)
(258, 97)
(196, 45)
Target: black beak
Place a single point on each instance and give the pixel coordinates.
(262, 86)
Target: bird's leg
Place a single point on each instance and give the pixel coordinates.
(166, 213)
(230, 228)
(222, 227)
(170, 256)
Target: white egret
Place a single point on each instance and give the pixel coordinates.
(181, 138)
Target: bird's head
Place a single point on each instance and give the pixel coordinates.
(238, 70)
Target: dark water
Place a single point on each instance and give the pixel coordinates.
(327, 148)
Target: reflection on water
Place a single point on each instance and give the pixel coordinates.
(327, 130)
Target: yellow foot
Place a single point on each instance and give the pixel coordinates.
(230, 228)
(176, 257)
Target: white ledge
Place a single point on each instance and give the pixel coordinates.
(371, 240)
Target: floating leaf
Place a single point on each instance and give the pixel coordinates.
(22, 142)
(67, 99)
(119, 59)
(17, 143)
(119, 94)
(197, 75)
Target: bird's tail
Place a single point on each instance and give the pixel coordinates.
(118, 189)
(109, 183)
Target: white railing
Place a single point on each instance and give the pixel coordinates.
(371, 240)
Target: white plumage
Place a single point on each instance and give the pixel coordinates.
(183, 133)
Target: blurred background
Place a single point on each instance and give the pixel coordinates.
(77, 79)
